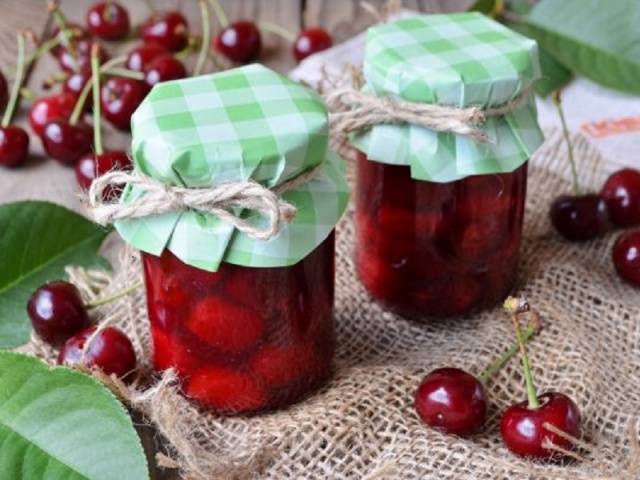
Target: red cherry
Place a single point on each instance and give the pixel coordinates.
(111, 351)
(74, 84)
(452, 400)
(119, 98)
(57, 312)
(167, 29)
(14, 146)
(622, 194)
(579, 218)
(93, 165)
(46, 109)
(77, 33)
(65, 142)
(240, 42)
(310, 41)
(80, 59)
(108, 20)
(523, 429)
(163, 68)
(140, 57)
(4, 92)
(626, 257)
(226, 390)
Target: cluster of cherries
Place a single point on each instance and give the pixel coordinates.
(61, 319)
(58, 119)
(454, 401)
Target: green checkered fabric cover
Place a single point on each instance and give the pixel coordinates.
(245, 123)
(461, 60)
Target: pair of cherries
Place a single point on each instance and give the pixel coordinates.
(454, 401)
(61, 319)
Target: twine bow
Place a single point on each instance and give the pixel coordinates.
(221, 200)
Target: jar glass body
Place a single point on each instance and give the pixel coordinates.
(243, 339)
(437, 249)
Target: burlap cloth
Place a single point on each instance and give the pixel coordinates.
(362, 424)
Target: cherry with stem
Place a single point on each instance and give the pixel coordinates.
(239, 41)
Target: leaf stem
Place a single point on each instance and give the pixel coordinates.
(219, 13)
(497, 365)
(278, 30)
(206, 37)
(95, 81)
(116, 296)
(557, 101)
(17, 83)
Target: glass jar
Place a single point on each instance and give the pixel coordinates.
(437, 249)
(243, 339)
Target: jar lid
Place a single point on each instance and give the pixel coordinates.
(460, 60)
(248, 123)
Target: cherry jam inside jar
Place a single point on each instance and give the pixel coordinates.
(243, 339)
(437, 249)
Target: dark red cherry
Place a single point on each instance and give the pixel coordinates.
(57, 312)
(622, 194)
(119, 98)
(579, 218)
(140, 57)
(65, 142)
(74, 84)
(4, 92)
(14, 146)
(523, 429)
(626, 257)
(310, 41)
(76, 33)
(46, 109)
(80, 58)
(93, 165)
(452, 400)
(240, 42)
(111, 351)
(108, 21)
(167, 29)
(163, 68)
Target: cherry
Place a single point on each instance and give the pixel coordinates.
(310, 41)
(4, 92)
(626, 257)
(622, 194)
(108, 21)
(66, 142)
(79, 57)
(240, 41)
(75, 32)
(579, 218)
(93, 165)
(119, 98)
(46, 109)
(140, 57)
(57, 312)
(167, 29)
(163, 68)
(14, 146)
(109, 350)
(74, 84)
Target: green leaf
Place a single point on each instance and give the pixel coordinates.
(483, 6)
(38, 240)
(56, 423)
(597, 39)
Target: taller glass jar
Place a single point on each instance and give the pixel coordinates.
(240, 299)
(439, 213)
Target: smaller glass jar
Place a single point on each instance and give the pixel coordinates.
(243, 339)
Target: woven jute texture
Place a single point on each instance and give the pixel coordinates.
(362, 424)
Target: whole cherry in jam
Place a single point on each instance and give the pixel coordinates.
(93, 165)
(579, 217)
(108, 20)
(163, 68)
(310, 41)
(110, 350)
(626, 257)
(622, 194)
(139, 58)
(529, 429)
(54, 107)
(67, 141)
(169, 30)
(119, 98)
(240, 41)
(57, 312)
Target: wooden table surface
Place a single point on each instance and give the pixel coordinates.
(44, 179)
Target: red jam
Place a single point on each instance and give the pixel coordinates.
(437, 249)
(243, 339)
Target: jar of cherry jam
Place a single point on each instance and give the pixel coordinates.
(240, 307)
(439, 214)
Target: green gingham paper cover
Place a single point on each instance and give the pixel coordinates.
(461, 60)
(240, 124)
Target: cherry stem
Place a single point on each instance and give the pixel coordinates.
(496, 366)
(95, 82)
(27, 94)
(124, 72)
(116, 296)
(61, 22)
(206, 38)
(557, 101)
(219, 13)
(498, 9)
(513, 307)
(17, 84)
(278, 30)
